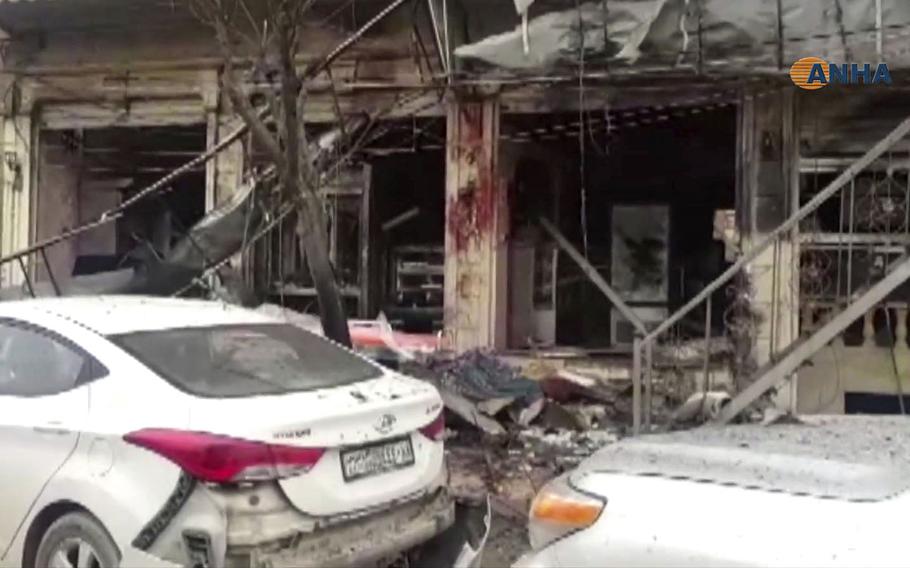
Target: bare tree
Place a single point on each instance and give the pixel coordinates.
(259, 42)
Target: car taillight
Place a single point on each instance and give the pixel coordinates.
(220, 459)
(435, 429)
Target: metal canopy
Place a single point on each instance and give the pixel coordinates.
(730, 35)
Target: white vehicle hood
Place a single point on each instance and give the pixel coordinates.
(847, 458)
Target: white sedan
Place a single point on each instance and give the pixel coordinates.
(832, 491)
(152, 432)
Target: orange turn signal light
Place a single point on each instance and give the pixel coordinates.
(575, 511)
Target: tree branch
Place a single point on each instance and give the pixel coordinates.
(288, 148)
(213, 12)
(254, 25)
(290, 87)
(305, 157)
(238, 98)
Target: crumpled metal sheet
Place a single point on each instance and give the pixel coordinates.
(480, 376)
(733, 33)
(556, 37)
(224, 230)
(221, 232)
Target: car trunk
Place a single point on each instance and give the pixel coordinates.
(373, 426)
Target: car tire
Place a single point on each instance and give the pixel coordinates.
(76, 534)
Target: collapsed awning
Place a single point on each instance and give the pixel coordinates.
(732, 35)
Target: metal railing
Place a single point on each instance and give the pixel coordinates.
(643, 346)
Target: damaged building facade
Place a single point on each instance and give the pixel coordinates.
(636, 181)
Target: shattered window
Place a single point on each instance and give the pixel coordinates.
(246, 360)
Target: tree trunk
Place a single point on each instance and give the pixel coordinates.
(312, 234)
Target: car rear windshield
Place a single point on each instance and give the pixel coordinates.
(245, 360)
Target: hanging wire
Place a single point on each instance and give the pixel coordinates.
(581, 131)
(605, 119)
(605, 11)
(685, 34)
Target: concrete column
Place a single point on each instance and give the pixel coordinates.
(476, 224)
(56, 206)
(16, 182)
(769, 194)
(228, 164)
(869, 328)
(900, 334)
(224, 174)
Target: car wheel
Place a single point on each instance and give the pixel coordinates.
(76, 540)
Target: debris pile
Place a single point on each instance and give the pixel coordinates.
(490, 385)
(567, 410)
(511, 430)
(564, 448)
(510, 433)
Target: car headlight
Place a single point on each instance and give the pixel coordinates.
(560, 510)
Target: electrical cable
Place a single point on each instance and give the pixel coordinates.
(581, 133)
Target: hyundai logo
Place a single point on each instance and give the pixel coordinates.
(385, 423)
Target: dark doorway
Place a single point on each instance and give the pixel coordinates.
(647, 189)
(83, 173)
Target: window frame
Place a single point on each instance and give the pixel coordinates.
(92, 369)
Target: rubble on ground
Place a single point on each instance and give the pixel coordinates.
(509, 431)
(701, 407)
(485, 394)
(490, 384)
(458, 406)
(566, 448)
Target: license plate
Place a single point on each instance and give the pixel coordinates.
(374, 459)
